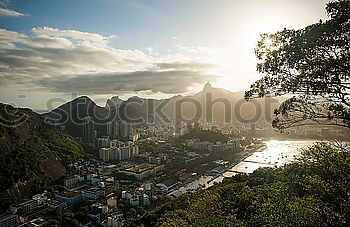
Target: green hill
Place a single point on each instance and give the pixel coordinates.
(311, 192)
(32, 153)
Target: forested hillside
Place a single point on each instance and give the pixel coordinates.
(32, 153)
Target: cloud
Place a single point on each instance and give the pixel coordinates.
(66, 61)
(10, 13)
(167, 82)
(184, 66)
(4, 11)
(72, 34)
(12, 37)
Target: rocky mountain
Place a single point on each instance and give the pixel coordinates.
(74, 114)
(213, 104)
(216, 104)
(32, 153)
(113, 102)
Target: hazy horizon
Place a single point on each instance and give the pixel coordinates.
(151, 49)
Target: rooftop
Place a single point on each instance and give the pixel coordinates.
(69, 194)
(140, 168)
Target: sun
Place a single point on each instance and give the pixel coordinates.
(268, 42)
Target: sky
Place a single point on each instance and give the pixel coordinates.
(52, 51)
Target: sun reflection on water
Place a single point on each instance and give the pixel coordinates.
(276, 154)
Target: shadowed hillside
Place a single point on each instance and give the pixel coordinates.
(32, 153)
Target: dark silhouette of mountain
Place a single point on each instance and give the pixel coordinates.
(32, 153)
(186, 104)
(114, 102)
(74, 114)
(211, 104)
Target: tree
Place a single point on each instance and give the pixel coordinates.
(312, 64)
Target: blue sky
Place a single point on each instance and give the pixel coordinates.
(136, 47)
(137, 24)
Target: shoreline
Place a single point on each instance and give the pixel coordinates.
(246, 154)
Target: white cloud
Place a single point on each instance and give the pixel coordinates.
(67, 61)
(73, 34)
(10, 13)
(10, 36)
(5, 11)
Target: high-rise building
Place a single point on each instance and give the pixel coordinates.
(114, 154)
(88, 131)
(118, 151)
(118, 129)
(115, 143)
(113, 221)
(113, 129)
(102, 142)
(125, 153)
(104, 154)
(125, 129)
(72, 181)
(135, 149)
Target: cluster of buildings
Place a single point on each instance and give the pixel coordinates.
(143, 170)
(99, 189)
(107, 212)
(136, 198)
(27, 212)
(114, 129)
(210, 147)
(72, 181)
(118, 151)
(94, 179)
(141, 197)
(117, 129)
(90, 132)
(32, 212)
(318, 132)
(75, 180)
(165, 131)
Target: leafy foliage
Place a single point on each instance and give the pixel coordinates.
(22, 163)
(312, 63)
(32, 152)
(73, 217)
(64, 146)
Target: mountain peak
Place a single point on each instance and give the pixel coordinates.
(114, 101)
(81, 99)
(207, 86)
